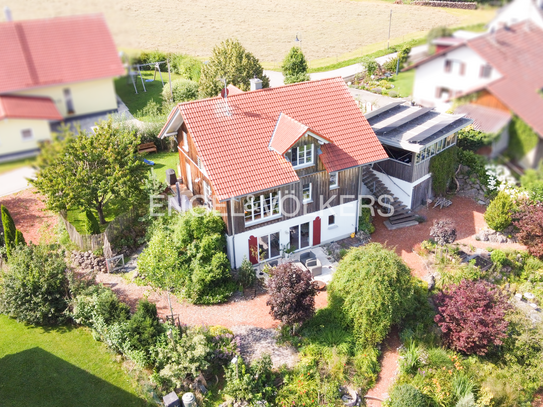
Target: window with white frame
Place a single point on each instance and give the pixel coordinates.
(200, 165)
(262, 207)
(307, 193)
(486, 71)
(302, 156)
(331, 220)
(334, 181)
(435, 148)
(27, 134)
(185, 141)
(207, 194)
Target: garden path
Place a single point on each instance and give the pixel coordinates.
(252, 311)
(30, 216)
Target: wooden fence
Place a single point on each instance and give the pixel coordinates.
(95, 242)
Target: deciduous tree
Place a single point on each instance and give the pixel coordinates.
(471, 316)
(81, 170)
(292, 295)
(232, 62)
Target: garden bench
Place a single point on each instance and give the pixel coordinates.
(147, 148)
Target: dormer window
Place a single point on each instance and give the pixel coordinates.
(302, 156)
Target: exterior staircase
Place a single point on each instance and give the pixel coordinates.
(402, 217)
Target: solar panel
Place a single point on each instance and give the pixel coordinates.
(433, 128)
(383, 109)
(403, 120)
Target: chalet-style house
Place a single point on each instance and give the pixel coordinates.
(282, 165)
(52, 70)
(287, 166)
(498, 74)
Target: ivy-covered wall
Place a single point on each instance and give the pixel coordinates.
(442, 167)
(522, 139)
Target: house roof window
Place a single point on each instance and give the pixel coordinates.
(303, 156)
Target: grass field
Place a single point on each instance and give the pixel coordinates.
(403, 83)
(137, 101)
(331, 30)
(163, 161)
(61, 366)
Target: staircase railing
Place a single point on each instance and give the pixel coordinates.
(401, 189)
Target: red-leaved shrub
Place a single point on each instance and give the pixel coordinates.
(471, 316)
(292, 295)
(529, 221)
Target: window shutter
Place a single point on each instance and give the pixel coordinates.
(462, 68)
(448, 65)
(253, 250)
(317, 231)
(438, 92)
(482, 71)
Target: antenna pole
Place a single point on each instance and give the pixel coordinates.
(170, 78)
(389, 25)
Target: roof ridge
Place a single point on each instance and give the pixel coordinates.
(29, 62)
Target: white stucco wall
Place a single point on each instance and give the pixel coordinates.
(346, 219)
(517, 11)
(11, 139)
(431, 75)
(88, 97)
(500, 144)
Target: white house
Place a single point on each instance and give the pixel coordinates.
(500, 70)
(517, 11)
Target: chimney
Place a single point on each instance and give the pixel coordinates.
(256, 84)
(7, 13)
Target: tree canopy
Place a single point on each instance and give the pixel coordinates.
(91, 171)
(295, 66)
(372, 289)
(231, 61)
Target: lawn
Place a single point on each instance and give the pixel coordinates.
(136, 102)
(13, 165)
(403, 83)
(77, 217)
(163, 161)
(60, 366)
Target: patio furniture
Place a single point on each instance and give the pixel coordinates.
(299, 265)
(306, 256)
(314, 266)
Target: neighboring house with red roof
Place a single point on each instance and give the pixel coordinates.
(500, 71)
(286, 166)
(53, 69)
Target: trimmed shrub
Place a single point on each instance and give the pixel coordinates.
(144, 327)
(91, 225)
(34, 288)
(406, 395)
(246, 273)
(19, 238)
(372, 289)
(499, 258)
(471, 316)
(9, 230)
(498, 215)
(183, 90)
(292, 294)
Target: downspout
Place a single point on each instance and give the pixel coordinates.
(233, 234)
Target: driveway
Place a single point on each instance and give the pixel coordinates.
(15, 181)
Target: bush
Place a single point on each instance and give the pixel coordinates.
(393, 94)
(498, 215)
(442, 167)
(499, 258)
(371, 289)
(9, 230)
(532, 181)
(391, 65)
(529, 222)
(183, 90)
(473, 140)
(406, 395)
(371, 66)
(250, 383)
(377, 90)
(19, 238)
(471, 316)
(300, 77)
(34, 288)
(294, 66)
(246, 273)
(144, 328)
(91, 225)
(475, 162)
(187, 66)
(292, 294)
(365, 221)
(443, 231)
(187, 253)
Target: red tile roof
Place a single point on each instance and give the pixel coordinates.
(286, 133)
(232, 137)
(486, 119)
(28, 107)
(56, 50)
(517, 53)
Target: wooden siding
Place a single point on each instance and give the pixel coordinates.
(421, 193)
(485, 98)
(348, 185)
(405, 172)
